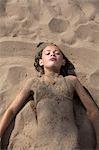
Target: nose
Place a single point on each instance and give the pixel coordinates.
(52, 53)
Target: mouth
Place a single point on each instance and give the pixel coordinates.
(53, 59)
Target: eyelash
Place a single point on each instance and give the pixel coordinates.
(55, 53)
(47, 53)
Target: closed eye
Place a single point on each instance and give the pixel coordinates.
(54, 52)
(47, 53)
(58, 53)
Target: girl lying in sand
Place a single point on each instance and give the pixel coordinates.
(53, 102)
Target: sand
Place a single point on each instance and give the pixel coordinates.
(72, 24)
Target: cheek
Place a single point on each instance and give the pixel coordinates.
(60, 59)
(45, 61)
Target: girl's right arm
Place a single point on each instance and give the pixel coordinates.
(15, 106)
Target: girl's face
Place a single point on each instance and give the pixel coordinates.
(52, 58)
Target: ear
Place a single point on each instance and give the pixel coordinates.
(40, 62)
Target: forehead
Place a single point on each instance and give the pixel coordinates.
(51, 47)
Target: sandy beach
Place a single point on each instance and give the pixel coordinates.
(72, 24)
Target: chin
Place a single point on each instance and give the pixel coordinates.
(53, 67)
(52, 64)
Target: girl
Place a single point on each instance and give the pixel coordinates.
(53, 102)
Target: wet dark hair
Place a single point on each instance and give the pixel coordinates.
(67, 69)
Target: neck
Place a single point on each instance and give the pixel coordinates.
(50, 73)
(50, 77)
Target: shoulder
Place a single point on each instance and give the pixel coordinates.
(32, 82)
(28, 83)
(72, 79)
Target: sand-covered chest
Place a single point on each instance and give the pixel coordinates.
(54, 105)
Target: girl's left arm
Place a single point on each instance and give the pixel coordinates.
(91, 107)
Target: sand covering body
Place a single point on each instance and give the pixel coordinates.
(55, 126)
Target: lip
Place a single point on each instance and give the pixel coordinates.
(53, 59)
